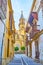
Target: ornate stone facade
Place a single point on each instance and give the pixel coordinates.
(20, 33)
(9, 35)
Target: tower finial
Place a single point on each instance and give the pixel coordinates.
(22, 17)
(21, 14)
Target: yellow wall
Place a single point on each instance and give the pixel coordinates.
(8, 33)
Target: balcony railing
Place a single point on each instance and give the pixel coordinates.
(34, 30)
(3, 8)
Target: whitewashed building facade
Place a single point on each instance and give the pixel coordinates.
(3, 10)
(38, 7)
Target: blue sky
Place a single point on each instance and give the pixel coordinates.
(18, 5)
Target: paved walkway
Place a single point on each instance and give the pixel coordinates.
(15, 61)
(22, 60)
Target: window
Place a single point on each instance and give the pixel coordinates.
(10, 18)
(8, 48)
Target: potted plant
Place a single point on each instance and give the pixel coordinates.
(23, 48)
(16, 48)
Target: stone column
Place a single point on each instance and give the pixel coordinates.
(26, 44)
(36, 49)
(30, 48)
(27, 50)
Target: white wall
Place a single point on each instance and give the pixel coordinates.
(33, 50)
(28, 50)
(1, 34)
(41, 47)
(40, 20)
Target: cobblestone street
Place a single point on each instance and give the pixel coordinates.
(23, 60)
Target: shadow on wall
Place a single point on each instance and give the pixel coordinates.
(1, 35)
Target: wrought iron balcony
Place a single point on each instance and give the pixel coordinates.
(34, 30)
(3, 8)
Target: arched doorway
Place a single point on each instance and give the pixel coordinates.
(18, 45)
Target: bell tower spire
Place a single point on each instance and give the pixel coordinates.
(22, 17)
(21, 14)
(22, 24)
